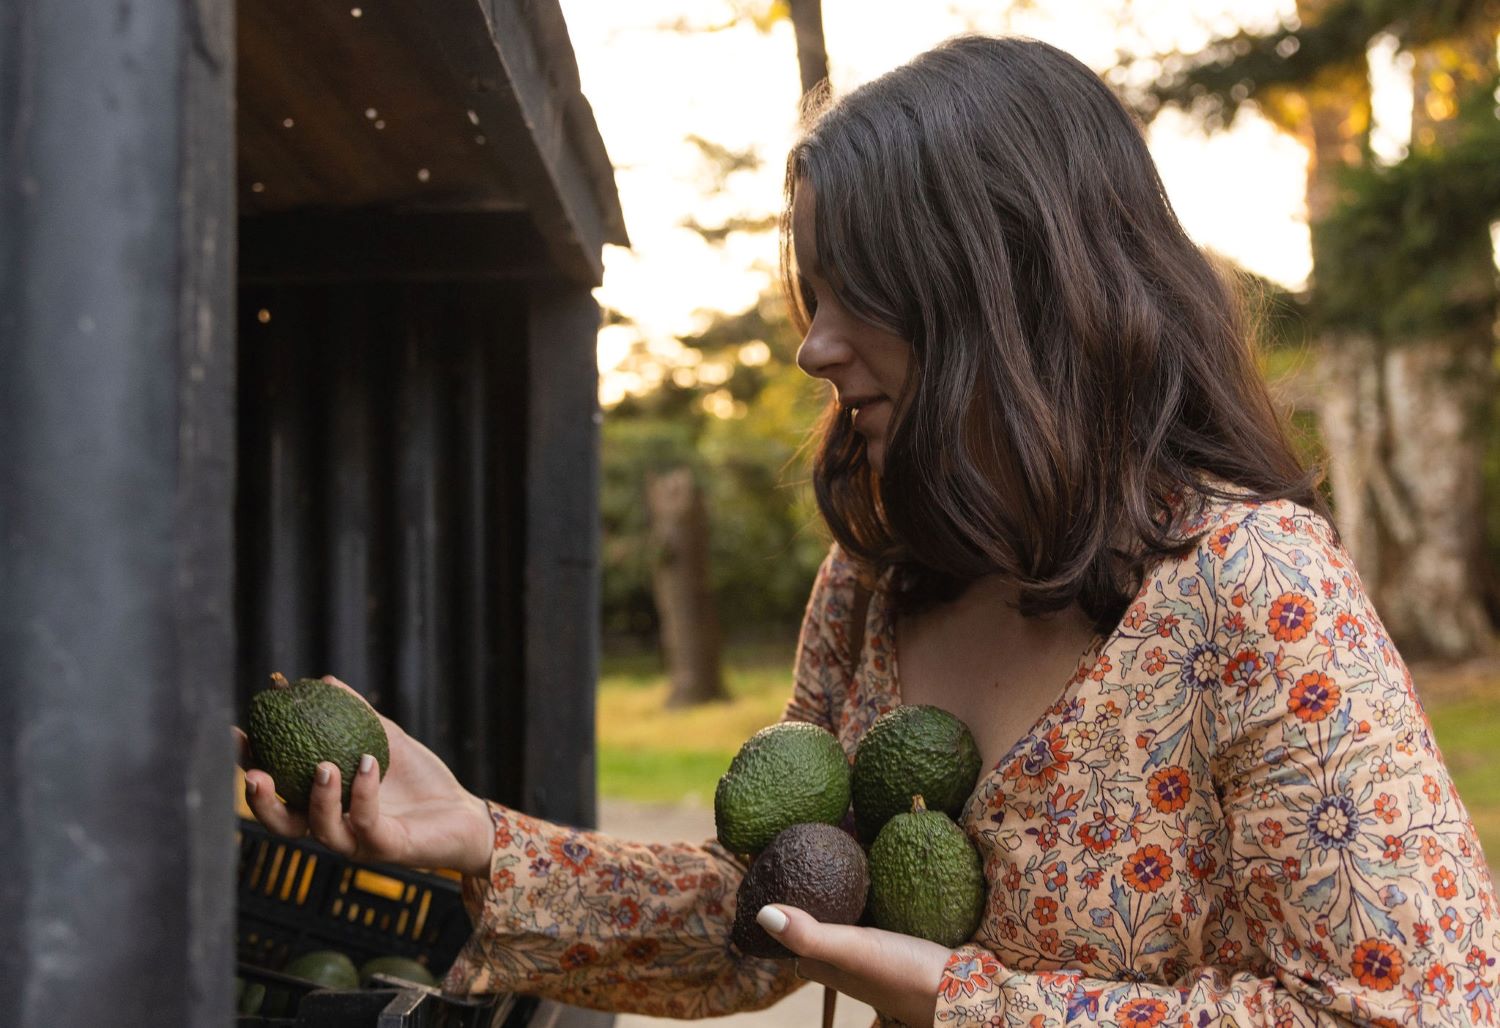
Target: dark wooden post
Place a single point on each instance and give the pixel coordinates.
(562, 554)
(116, 491)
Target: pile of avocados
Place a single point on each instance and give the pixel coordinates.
(913, 869)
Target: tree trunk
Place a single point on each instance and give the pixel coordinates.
(812, 54)
(690, 635)
(1404, 425)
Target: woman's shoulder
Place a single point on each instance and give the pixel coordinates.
(1224, 521)
(843, 573)
(1254, 554)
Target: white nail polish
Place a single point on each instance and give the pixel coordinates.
(323, 775)
(366, 764)
(771, 919)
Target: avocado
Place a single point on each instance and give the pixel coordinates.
(397, 967)
(250, 1000)
(784, 774)
(915, 748)
(814, 867)
(326, 967)
(926, 878)
(293, 727)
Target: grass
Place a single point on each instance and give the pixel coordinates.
(650, 754)
(1468, 733)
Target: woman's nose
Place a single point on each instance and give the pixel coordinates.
(821, 351)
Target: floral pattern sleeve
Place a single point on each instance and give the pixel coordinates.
(1294, 852)
(583, 918)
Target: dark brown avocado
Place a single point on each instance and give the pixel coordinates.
(814, 867)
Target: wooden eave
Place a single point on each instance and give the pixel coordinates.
(434, 109)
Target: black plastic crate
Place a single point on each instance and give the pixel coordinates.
(296, 896)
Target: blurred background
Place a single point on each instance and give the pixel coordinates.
(1342, 157)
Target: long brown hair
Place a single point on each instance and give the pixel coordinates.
(1078, 365)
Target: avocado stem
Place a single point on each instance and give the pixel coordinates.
(918, 805)
(278, 681)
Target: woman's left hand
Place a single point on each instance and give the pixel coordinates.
(896, 974)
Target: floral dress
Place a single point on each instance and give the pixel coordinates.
(1233, 814)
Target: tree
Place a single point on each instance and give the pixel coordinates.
(1403, 290)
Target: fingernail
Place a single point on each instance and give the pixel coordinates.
(771, 919)
(366, 764)
(324, 774)
(250, 787)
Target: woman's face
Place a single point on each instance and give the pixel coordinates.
(866, 365)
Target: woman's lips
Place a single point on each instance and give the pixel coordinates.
(864, 411)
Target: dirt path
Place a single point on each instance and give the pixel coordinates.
(648, 823)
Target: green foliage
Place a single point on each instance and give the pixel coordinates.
(765, 535)
(1410, 236)
(1230, 71)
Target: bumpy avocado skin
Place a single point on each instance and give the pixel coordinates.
(814, 867)
(293, 728)
(915, 748)
(926, 879)
(785, 774)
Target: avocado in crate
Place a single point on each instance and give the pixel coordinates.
(296, 896)
(308, 918)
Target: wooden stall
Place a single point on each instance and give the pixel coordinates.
(368, 446)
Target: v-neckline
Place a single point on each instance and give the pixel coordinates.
(1089, 655)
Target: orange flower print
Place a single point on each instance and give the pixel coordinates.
(1440, 982)
(571, 853)
(1292, 616)
(1142, 1012)
(1038, 765)
(965, 978)
(1101, 831)
(1386, 808)
(1377, 965)
(1395, 848)
(1168, 789)
(580, 954)
(1154, 661)
(1446, 884)
(1243, 669)
(1045, 909)
(1148, 868)
(1349, 630)
(627, 913)
(1220, 541)
(1313, 697)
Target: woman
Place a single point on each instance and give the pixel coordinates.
(1064, 509)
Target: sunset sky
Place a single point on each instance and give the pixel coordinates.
(652, 86)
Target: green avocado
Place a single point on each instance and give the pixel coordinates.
(249, 1001)
(326, 967)
(926, 878)
(915, 748)
(397, 967)
(814, 867)
(785, 774)
(294, 727)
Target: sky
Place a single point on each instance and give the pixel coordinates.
(1238, 192)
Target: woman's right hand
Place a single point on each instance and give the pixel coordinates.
(418, 816)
